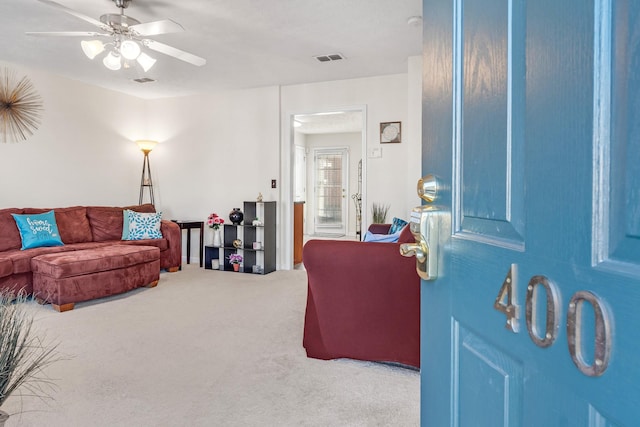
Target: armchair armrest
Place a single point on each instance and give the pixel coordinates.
(379, 228)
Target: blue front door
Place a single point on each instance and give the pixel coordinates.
(531, 120)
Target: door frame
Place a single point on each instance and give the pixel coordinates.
(286, 190)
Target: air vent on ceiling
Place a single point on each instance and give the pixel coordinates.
(143, 80)
(331, 57)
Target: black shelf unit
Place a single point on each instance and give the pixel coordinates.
(263, 258)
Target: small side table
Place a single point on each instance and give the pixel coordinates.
(189, 225)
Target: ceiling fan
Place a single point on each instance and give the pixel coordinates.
(126, 37)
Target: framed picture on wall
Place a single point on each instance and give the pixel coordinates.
(390, 132)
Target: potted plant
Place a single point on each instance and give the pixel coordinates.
(214, 221)
(235, 260)
(379, 212)
(23, 354)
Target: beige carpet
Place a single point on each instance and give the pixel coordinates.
(207, 348)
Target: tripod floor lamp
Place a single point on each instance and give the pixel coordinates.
(145, 181)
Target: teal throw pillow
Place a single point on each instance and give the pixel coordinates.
(396, 225)
(37, 230)
(143, 225)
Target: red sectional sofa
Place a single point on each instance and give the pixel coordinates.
(363, 300)
(80, 228)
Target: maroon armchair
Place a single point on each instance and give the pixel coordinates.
(363, 300)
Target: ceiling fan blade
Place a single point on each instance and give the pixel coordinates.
(157, 27)
(176, 53)
(74, 13)
(66, 33)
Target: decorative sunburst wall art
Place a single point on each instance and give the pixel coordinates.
(20, 108)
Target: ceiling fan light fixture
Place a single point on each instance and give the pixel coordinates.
(130, 49)
(112, 61)
(145, 61)
(92, 48)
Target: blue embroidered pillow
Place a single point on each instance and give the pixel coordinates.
(38, 230)
(143, 225)
(396, 225)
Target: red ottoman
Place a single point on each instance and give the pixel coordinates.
(65, 278)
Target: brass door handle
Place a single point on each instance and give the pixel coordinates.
(424, 227)
(425, 224)
(414, 249)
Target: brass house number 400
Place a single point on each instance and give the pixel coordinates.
(505, 303)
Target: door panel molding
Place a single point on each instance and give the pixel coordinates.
(499, 400)
(616, 190)
(596, 419)
(486, 203)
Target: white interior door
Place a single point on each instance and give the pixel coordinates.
(331, 180)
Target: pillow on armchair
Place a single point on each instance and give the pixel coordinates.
(386, 238)
(397, 225)
(392, 235)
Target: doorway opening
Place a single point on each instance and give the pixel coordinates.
(331, 197)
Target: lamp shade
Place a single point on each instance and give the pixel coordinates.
(92, 48)
(112, 61)
(145, 61)
(146, 145)
(130, 49)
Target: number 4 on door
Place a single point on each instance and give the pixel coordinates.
(506, 300)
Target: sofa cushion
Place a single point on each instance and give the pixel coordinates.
(78, 263)
(161, 244)
(6, 267)
(146, 208)
(9, 234)
(106, 221)
(73, 223)
(22, 259)
(38, 230)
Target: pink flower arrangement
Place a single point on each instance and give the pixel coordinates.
(214, 221)
(235, 259)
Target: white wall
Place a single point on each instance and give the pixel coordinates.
(81, 154)
(388, 179)
(217, 149)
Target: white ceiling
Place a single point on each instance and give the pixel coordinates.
(247, 43)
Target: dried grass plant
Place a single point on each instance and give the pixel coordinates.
(24, 353)
(379, 212)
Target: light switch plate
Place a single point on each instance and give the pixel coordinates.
(375, 153)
